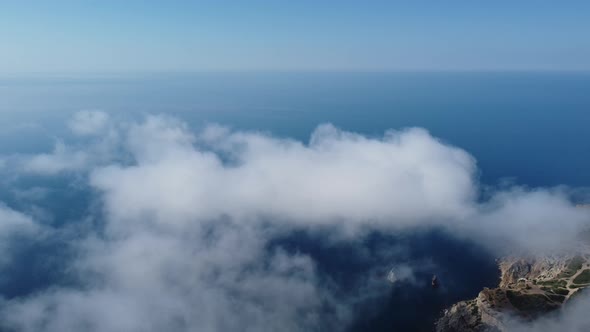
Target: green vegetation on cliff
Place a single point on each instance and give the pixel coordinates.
(583, 277)
(573, 266)
(532, 304)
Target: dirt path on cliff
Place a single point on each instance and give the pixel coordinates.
(570, 281)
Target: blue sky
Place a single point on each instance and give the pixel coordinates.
(136, 36)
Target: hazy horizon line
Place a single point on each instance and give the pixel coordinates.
(287, 71)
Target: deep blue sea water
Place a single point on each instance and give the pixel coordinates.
(531, 128)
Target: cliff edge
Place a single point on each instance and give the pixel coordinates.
(529, 287)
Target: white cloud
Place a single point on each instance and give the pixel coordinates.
(61, 159)
(537, 220)
(405, 177)
(103, 147)
(151, 281)
(189, 218)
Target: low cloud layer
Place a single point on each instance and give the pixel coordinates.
(181, 239)
(339, 177)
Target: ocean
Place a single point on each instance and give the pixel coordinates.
(528, 127)
(524, 128)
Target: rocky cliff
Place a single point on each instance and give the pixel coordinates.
(529, 287)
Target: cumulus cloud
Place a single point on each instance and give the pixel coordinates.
(187, 220)
(61, 159)
(540, 220)
(155, 282)
(102, 148)
(405, 177)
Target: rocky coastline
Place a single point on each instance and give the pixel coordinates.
(529, 287)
